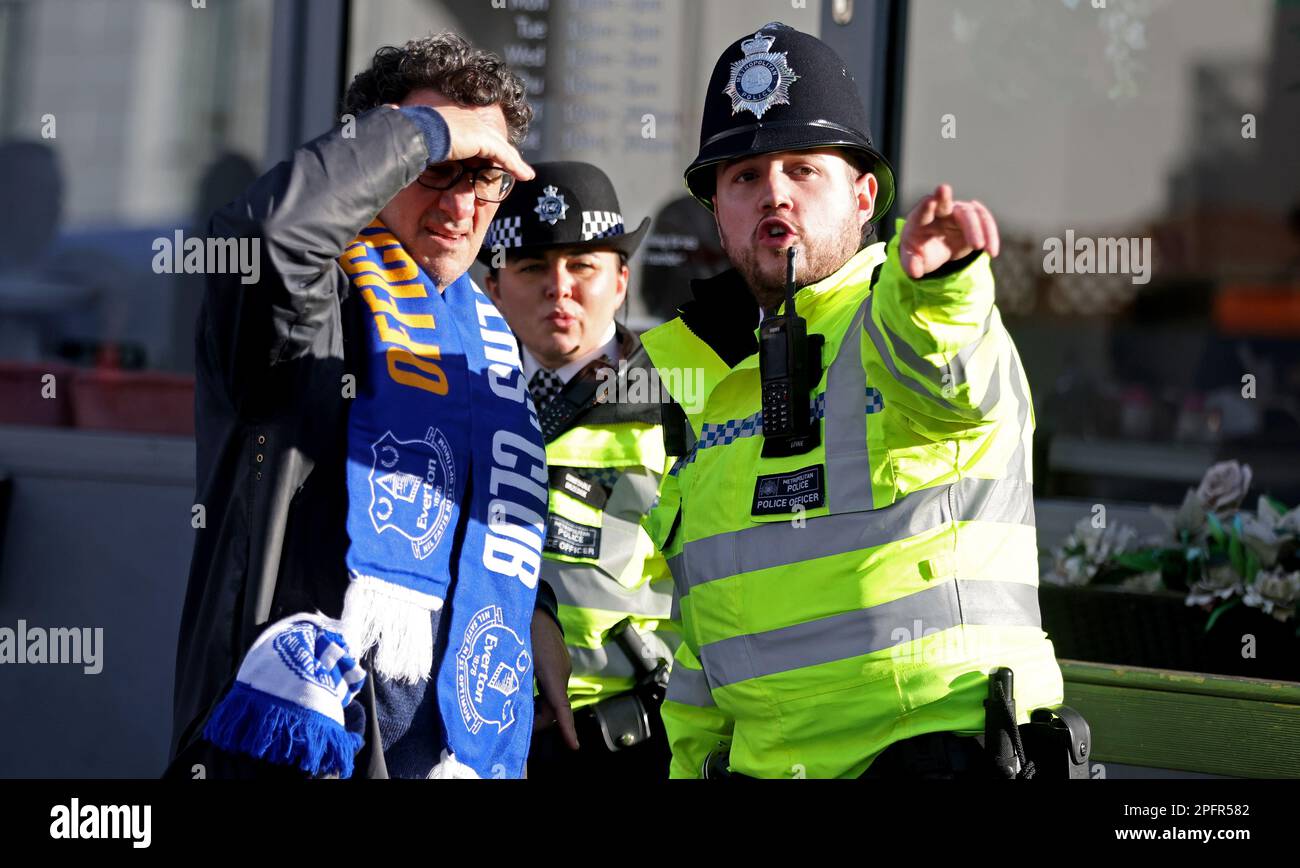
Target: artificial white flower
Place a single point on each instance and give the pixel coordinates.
(1260, 538)
(1224, 486)
(1289, 524)
(1218, 582)
(1275, 591)
(1086, 550)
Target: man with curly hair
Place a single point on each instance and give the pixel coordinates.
(350, 493)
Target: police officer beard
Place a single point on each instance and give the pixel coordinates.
(820, 255)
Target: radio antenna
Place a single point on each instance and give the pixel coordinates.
(790, 253)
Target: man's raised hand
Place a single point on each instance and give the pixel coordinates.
(941, 230)
(471, 138)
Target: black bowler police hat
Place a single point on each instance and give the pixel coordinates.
(568, 204)
(780, 89)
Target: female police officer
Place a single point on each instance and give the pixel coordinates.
(557, 254)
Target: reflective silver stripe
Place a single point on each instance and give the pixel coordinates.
(610, 661)
(620, 528)
(957, 377)
(958, 364)
(677, 567)
(852, 634)
(690, 687)
(956, 368)
(618, 539)
(779, 544)
(882, 349)
(848, 461)
(633, 493)
(587, 587)
(1011, 501)
(1016, 467)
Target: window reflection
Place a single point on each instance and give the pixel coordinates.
(120, 123)
(1164, 123)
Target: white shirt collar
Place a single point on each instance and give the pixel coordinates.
(608, 347)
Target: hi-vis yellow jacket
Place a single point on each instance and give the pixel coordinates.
(838, 601)
(606, 469)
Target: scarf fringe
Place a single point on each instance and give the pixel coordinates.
(377, 614)
(451, 769)
(255, 723)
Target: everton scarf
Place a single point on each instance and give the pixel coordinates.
(288, 702)
(444, 445)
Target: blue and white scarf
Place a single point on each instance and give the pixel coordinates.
(288, 702)
(442, 436)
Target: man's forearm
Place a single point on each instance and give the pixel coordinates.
(310, 207)
(303, 213)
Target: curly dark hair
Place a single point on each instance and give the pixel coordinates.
(450, 65)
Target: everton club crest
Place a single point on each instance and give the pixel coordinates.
(760, 79)
(492, 666)
(296, 648)
(412, 488)
(551, 206)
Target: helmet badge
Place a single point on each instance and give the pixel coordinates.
(551, 207)
(760, 79)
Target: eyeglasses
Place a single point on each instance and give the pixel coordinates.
(491, 183)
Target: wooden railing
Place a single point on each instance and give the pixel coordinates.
(1187, 721)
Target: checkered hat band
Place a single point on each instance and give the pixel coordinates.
(505, 233)
(601, 224)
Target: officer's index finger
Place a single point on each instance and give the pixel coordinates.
(923, 213)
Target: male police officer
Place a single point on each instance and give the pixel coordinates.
(851, 533)
(562, 248)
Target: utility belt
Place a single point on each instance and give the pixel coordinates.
(631, 718)
(1054, 745)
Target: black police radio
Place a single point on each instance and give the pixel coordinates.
(790, 365)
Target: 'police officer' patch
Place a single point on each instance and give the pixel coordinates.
(782, 492)
(564, 537)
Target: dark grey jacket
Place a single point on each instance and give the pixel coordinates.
(271, 414)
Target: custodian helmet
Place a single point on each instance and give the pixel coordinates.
(780, 89)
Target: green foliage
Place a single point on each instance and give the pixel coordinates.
(1223, 607)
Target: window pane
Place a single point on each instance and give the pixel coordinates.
(1172, 124)
(120, 123)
